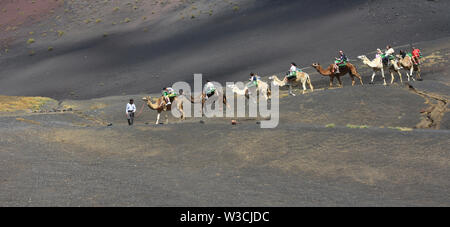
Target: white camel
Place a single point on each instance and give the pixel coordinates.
(377, 65)
(262, 88)
(302, 78)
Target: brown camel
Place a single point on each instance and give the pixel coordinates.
(160, 106)
(348, 69)
(405, 61)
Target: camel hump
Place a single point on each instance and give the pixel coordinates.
(349, 65)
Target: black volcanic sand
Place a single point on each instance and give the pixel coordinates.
(220, 165)
(317, 156)
(264, 37)
(76, 160)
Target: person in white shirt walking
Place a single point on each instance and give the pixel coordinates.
(130, 110)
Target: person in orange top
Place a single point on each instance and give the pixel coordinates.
(416, 54)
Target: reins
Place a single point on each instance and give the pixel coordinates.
(140, 112)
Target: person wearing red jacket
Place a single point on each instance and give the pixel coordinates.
(416, 54)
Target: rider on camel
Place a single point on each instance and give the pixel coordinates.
(416, 55)
(168, 93)
(342, 59)
(388, 55)
(210, 89)
(253, 80)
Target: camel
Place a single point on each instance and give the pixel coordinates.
(217, 93)
(160, 106)
(348, 69)
(263, 89)
(377, 65)
(302, 78)
(407, 64)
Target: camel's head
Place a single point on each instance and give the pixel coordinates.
(275, 81)
(315, 65)
(362, 57)
(146, 99)
(273, 78)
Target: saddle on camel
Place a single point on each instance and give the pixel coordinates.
(340, 63)
(293, 72)
(169, 96)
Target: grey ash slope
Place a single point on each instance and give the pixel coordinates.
(76, 160)
(264, 36)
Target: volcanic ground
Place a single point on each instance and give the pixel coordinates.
(68, 68)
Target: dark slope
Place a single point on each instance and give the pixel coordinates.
(265, 38)
(113, 167)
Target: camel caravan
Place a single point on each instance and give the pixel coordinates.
(383, 62)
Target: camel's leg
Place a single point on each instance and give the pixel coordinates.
(400, 75)
(392, 76)
(264, 92)
(340, 81)
(407, 75)
(304, 86)
(384, 78)
(419, 78)
(310, 85)
(180, 107)
(157, 118)
(411, 72)
(331, 81)
(203, 109)
(356, 74)
(360, 79)
(353, 80)
(290, 90)
(225, 101)
(167, 119)
(373, 76)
